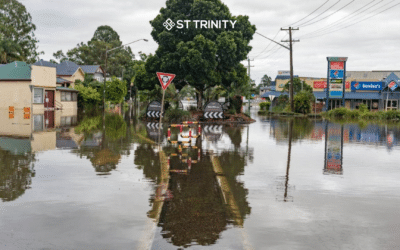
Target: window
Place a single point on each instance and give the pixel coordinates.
(37, 95)
(69, 96)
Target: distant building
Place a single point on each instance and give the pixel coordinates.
(379, 90)
(96, 71)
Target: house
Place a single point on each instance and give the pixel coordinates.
(96, 71)
(34, 88)
(67, 72)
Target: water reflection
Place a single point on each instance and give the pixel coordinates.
(333, 148)
(203, 194)
(16, 167)
(21, 138)
(106, 139)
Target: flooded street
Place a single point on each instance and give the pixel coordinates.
(103, 182)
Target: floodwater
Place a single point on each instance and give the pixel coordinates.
(101, 182)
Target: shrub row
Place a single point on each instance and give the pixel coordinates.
(364, 114)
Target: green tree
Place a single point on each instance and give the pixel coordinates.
(298, 85)
(202, 58)
(116, 90)
(87, 95)
(17, 30)
(93, 52)
(302, 102)
(266, 81)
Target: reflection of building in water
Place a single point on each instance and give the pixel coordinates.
(333, 148)
(371, 134)
(21, 137)
(16, 167)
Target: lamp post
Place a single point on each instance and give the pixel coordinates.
(105, 69)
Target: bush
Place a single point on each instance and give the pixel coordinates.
(177, 115)
(265, 105)
(353, 114)
(338, 113)
(363, 108)
(232, 111)
(302, 102)
(390, 115)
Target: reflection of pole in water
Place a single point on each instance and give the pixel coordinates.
(288, 161)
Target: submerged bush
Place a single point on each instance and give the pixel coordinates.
(177, 115)
(265, 105)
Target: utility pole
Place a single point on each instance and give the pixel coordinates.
(291, 41)
(248, 60)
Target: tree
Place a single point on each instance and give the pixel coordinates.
(18, 41)
(116, 90)
(265, 81)
(93, 52)
(298, 85)
(202, 58)
(87, 95)
(302, 102)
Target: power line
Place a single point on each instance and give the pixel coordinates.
(267, 45)
(309, 14)
(350, 16)
(319, 14)
(353, 23)
(329, 15)
(344, 19)
(276, 48)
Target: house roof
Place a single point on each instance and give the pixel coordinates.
(45, 64)
(67, 68)
(15, 71)
(66, 89)
(90, 69)
(15, 146)
(61, 80)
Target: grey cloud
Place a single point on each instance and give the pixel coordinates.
(369, 44)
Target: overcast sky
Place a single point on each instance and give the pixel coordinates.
(372, 44)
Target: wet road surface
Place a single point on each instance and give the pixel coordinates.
(273, 184)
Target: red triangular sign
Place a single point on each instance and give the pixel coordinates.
(165, 79)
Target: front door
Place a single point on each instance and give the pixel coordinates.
(49, 99)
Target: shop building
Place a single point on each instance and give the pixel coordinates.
(379, 90)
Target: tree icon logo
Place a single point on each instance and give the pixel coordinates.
(169, 24)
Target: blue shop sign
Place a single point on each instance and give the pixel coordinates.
(366, 85)
(336, 74)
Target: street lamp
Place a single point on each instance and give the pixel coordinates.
(105, 69)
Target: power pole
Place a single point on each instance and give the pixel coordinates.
(248, 60)
(291, 64)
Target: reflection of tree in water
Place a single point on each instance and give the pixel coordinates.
(302, 128)
(104, 145)
(147, 160)
(235, 134)
(196, 213)
(16, 172)
(233, 164)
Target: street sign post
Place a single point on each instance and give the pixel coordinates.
(165, 79)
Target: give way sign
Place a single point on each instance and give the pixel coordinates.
(165, 79)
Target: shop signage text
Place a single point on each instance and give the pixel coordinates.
(366, 85)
